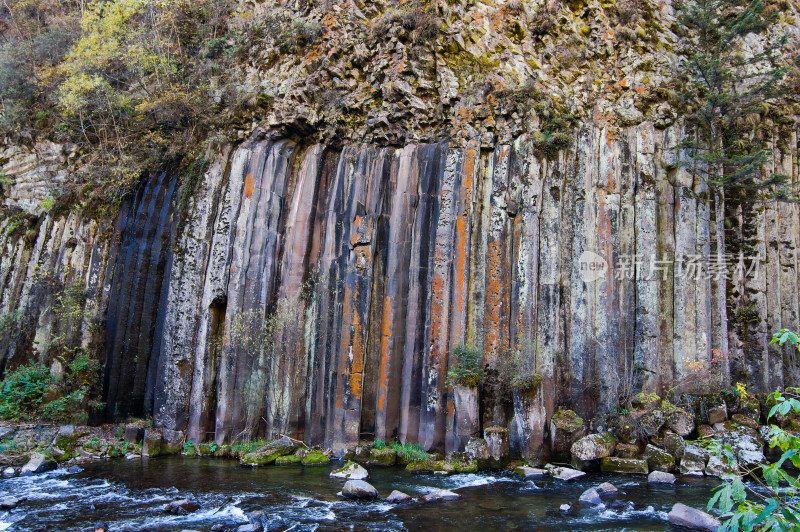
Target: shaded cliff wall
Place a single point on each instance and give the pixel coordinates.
(320, 292)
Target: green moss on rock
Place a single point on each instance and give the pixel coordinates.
(316, 458)
(567, 420)
(288, 460)
(623, 465)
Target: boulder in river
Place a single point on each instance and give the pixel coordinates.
(358, 489)
(594, 446)
(315, 458)
(398, 496)
(658, 459)
(171, 441)
(563, 473)
(270, 452)
(660, 477)
(8, 503)
(350, 471)
(181, 507)
(441, 495)
(38, 463)
(382, 457)
(498, 444)
(692, 519)
(606, 490)
(590, 497)
(151, 444)
(530, 473)
(9, 472)
(477, 450)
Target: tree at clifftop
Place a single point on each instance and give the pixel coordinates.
(733, 79)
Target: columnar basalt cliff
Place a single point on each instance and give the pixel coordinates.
(319, 292)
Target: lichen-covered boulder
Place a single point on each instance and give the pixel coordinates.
(151, 444)
(674, 444)
(37, 463)
(172, 441)
(627, 450)
(315, 458)
(717, 412)
(270, 452)
(693, 462)
(566, 427)
(65, 438)
(381, 457)
(594, 446)
(289, 459)
(420, 466)
(351, 471)
(477, 450)
(658, 459)
(680, 422)
(133, 433)
(623, 465)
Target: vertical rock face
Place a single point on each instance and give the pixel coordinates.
(320, 293)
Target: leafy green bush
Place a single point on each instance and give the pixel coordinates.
(22, 391)
(467, 367)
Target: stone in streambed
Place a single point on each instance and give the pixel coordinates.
(358, 489)
(9, 504)
(350, 471)
(660, 477)
(316, 458)
(606, 490)
(270, 452)
(590, 497)
(530, 473)
(9, 472)
(398, 497)
(623, 465)
(182, 507)
(441, 495)
(38, 463)
(563, 473)
(692, 519)
(151, 442)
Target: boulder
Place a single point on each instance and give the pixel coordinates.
(9, 472)
(498, 445)
(744, 421)
(693, 462)
(442, 467)
(398, 496)
(7, 433)
(566, 427)
(65, 438)
(650, 422)
(269, 453)
(132, 456)
(530, 473)
(705, 431)
(151, 443)
(717, 467)
(250, 527)
(565, 508)
(658, 459)
(315, 458)
(477, 450)
(441, 495)
(607, 490)
(563, 473)
(290, 459)
(682, 515)
(590, 497)
(133, 433)
(172, 441)
(38, 463)
(350, 471)
(680, 422)
(381, 457)
(627, 450)
(9, 503)
(358, 489)
(718, 413)
(623, 465)
(674, 444)
(181, 507)
(660, 477)
(594, 446)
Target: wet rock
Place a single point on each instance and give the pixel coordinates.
(398, 496)
(315, 458)
(181, 507)
(420, 466)
(132, 456)
(358, 489)
(9, 503)
(660, 477)
(151, 444)
(172, 441)
(498, 445)
(478, 451)
(270, 452)
(289, 459)
(717, 467)
(627, 450)
(9, 472)
(250, 527)
(594, 446)
(623, 465)
(38, 463)
(441, 495)
(443, 467)
(133, 433)
(692, 519)
(658, 459)
(74, 470)
(565, 508)
(590, 497)
(680, 422)
(530, 473)
(674, 444)
(566, 427)
(563, 473)
(717, 413)
(382, 457)
(606, 490)
(693, 461)
(350, 471)
(6, 433)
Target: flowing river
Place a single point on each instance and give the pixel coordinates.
(132, 494)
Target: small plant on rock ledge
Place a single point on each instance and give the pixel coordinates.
(466, 369)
